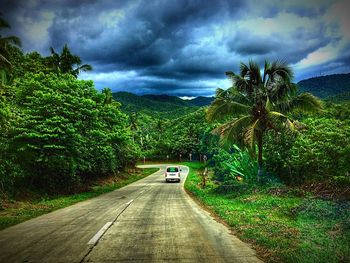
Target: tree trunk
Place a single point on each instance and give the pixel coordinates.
(260, 150)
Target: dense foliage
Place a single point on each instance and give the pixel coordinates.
(319, 152)
(64, 132)
(56, 131)
(161, 138)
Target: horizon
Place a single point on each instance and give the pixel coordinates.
(184, 48)
(183, 97)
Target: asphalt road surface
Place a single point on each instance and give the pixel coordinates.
(147, 221)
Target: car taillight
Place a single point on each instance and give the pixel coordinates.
(165, 174)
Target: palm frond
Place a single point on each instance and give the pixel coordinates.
(280, 68)
(275, 113)
(4, 61)
(281, 120)
(222, 108)
(243, 70)
(280, 90)
(238, 81)
(53, 52)
(219, 92)
(85, 67)
(268, 104)
(241, 83)
(290, 125)
(231, 131)
(267, 66)
(306, 102)
(254, 72)
(230, 74)
(249, 135)
(12, 40)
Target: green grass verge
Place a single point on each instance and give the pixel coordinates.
(14, 212)
(281, 226)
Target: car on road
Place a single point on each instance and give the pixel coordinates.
(172, 173)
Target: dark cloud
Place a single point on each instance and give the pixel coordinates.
(176, 47)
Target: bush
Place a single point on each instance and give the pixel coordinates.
(320, 152)
(235, 165)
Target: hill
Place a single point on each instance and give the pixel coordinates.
(164, 106)
(326, 86)
(201, 101)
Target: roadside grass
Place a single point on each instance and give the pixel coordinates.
(281, 225)
(13, 212)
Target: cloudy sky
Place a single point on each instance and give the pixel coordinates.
(183, 47)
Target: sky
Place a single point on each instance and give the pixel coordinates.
(184, 47)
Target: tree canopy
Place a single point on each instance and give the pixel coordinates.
(258, 102)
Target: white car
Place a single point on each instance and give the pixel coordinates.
(172, 173)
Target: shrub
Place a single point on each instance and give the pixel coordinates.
(318, 153)
(235, 165)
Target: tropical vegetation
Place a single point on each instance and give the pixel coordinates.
(257, 103)
(60, 135)
(283, 224)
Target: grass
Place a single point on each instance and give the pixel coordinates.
(14, 211)
(282, 226)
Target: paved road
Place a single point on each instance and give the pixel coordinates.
(147, 221)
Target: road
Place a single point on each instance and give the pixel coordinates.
(146, 221)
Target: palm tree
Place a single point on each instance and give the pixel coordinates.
(65, 62)
(5, 43)
(108, 99)
(134, 121)
(257, 102)
(133, 124)
(159, 127)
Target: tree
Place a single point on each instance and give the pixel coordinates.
(133, 124)
(5, 43)
(108, 98)
(257, 103)
(159, 127)
(65, 132)
(66, 61)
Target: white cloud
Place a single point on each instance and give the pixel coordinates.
(111, 18)
(318, 57)
(187, 97)
(113, 77)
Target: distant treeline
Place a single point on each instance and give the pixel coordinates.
(327, 86)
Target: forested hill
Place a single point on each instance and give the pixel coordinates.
(326, 86)
(161, 105)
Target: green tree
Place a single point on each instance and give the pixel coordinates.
(257, 103)
(5, 43)
(66, 133)
(66, 62)
(108, 98)
(159, 127)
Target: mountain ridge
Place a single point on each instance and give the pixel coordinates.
(326, 86)
(163, 105)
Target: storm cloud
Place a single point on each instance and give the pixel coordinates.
(184, 47)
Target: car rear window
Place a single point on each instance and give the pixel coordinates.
(172, 170)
